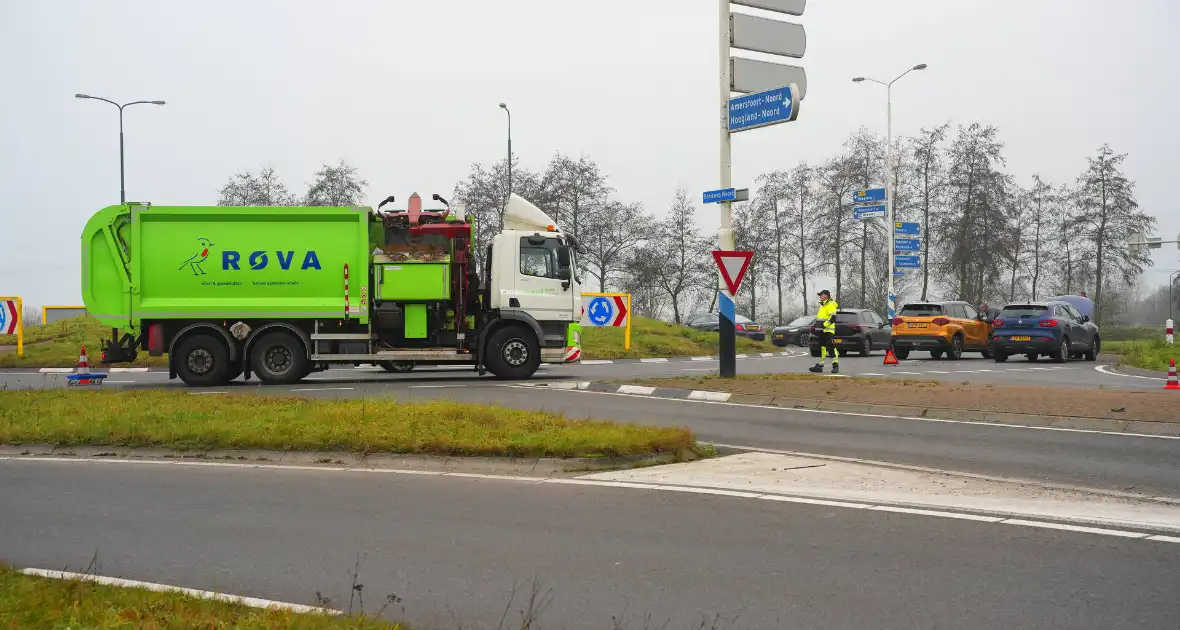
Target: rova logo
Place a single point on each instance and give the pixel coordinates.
(258, 260)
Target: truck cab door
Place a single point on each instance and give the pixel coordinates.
(541, 289)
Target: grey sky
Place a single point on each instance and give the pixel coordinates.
(407, 92)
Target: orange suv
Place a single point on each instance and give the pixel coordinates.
(943, 328)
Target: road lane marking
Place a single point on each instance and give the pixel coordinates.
(700, 358)
(698, 369)
(1105, 370)
(659, 360)
(205, 393)
(252, 602)
(437, 386)
(938, 372)
(664, 487)
(870, 374)
(637, 389)
(321, 389)
(1001, 425)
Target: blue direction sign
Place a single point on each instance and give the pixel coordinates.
(868, 196)
(907, 262)
(868, 212)
(760, 109)
(907, 228)
(601, 311)
(897, 273)
(907, 245)
(717, 196)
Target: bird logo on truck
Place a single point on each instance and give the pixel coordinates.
(194, 261)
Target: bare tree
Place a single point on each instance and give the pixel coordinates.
(1109, 216)
(867, 158)
(929, 183)
(774, 193)
(610, 236)
(677, 257)
(577, 189)
(485, 192)
(1038, 227)
(248, 189)
(753, 232)
(796, 214)
(339, 185)
(836, 178)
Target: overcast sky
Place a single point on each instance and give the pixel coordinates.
(407, 92)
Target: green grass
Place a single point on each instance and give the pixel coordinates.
(58, 344)
(178, 420)
(37, 602)
(654, 338)
(1131, 333)
(1149, 355)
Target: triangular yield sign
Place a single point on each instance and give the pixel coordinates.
(733, 265)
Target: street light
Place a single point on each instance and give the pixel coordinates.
(504, 106)
(122, 187)
(889, 171)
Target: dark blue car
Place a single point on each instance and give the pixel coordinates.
(1054, 328)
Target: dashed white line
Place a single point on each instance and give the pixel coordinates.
(1105, 369)
(321, 389)
(700, 358)
(252, 602)
(659, 360)
(637, 389)
(206, 393)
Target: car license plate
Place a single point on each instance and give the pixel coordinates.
(919, 325)
(1021, 338)
(839, 341)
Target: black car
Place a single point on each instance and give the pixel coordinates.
(743, 326)
(858, 329)
(795, 333)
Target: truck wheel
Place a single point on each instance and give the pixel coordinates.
(278, 358)
(513, 353)
(202, 361)
(397, 367)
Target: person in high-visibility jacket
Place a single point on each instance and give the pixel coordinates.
(826, 338)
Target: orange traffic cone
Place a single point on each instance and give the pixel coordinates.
(890, 358)
(83, 363)
(1173, 383)
(82, 375)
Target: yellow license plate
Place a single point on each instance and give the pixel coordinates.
(839, 341)
(919, 325)
(1022, 339)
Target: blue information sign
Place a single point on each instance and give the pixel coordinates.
(717, 196)
(907, 228)
(907, 245)
(868, 212)
(907, 262)
(759, 109)
(868, 196)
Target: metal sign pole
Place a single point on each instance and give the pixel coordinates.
(727, 350)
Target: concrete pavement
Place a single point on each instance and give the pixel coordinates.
(452, 549)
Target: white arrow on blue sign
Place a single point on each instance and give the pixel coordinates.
(868, 212)
(717, 196)
(907, 262)
(760, 109)
(907, 245)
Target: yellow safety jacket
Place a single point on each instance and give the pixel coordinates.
(827, 314)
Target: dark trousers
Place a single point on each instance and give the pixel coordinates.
(827, 346)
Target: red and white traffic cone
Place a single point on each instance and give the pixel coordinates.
(1173, 383)
(82, 371)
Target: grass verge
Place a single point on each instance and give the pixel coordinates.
(654, 338)
(57, 345)
(1148, 355)
(37, 602)
(178, 420)
(1151, 406)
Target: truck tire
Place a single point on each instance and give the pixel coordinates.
(278, 358)
(396, 367)
(513, 353)
(202, 361)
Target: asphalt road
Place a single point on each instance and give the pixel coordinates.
(970, 369)
(1113, 462)
(452, 549)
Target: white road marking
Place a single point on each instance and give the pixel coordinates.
(252, 602)
(128, 369)
(57, 370)
(636, 390)
(698, 369)
(436, 386)
(596, 361)
(706, 395)
(910, 373)
(766, 354)
(109, 381)
(870, 374)
(659, 360)
(1105, 370)
(783, 498)
(700, 359)
(937, 372)
(205, 393)
(741, 356)
(321, 389)
(1000, 425)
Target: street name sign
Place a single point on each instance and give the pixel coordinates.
(907, 262)
(907, 245)
(907, 228)
(750, 32)
(869, 212)
(868, 196)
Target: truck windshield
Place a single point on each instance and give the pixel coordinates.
(539, 257)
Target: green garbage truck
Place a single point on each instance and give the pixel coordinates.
(281, 292)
